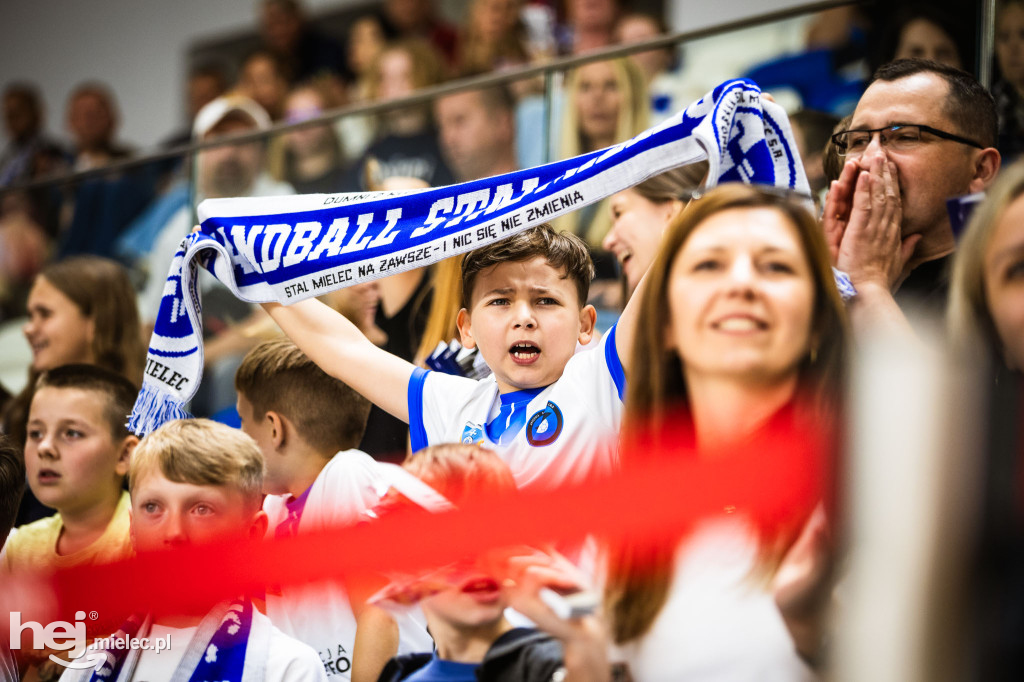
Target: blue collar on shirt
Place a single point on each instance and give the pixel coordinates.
(511, 418)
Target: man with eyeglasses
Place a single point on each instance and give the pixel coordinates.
(922, 133)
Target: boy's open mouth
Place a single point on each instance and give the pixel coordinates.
(524, 353)
(482, 589)
(48, 476)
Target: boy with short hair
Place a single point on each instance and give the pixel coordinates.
(195, 482)
(77, 454)
(307, 425)
(465, 602)
(553, 415)
(77, 450)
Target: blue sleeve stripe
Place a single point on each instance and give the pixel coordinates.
(417, 432)
(611, 357)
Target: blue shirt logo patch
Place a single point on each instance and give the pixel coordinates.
(472, 434)
(544, 426)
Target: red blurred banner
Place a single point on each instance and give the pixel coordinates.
(776, 480)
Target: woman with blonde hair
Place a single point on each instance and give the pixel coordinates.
(986, 296)
(742, 336)
(641, 214)
(606, 103)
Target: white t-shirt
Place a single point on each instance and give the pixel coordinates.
(287, 659)
(720, 622)
(154, 665)
(558, 434)
(321, 616)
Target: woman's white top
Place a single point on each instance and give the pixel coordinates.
(720, 621)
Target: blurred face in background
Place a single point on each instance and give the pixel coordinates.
(923, 39)
(471, 135)
(90, 120)
(637, 28)
(302, 105)
(230, 170)
(281, 27)
(262, 81)
(408, 15)
(593, 14)
(1010, 43)
(203, 88)
(494, 19)
(20, 117)
(1004, 282)
(57, 330)
(599, 99)
(396, 75)
(365, 42)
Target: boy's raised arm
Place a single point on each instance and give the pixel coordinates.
(340, 349)
(626, 327)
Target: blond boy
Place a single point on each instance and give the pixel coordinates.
(194, 483)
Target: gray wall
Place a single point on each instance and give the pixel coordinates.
(136, 46)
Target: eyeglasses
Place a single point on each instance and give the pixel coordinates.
(900, 138)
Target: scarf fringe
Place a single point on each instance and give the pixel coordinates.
(154, 408)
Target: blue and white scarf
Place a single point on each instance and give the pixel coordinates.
(288, 249)
(218, 651)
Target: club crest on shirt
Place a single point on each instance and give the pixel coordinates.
(544, 426)
(472, 434)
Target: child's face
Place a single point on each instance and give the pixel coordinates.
(475, 601)
(167, 515)
(57, 330)
(73, 461)
(526, 319)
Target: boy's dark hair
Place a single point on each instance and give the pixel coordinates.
(970, 106)
(327, 413)
(119, 392)
(564, 251)
(12, 485)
